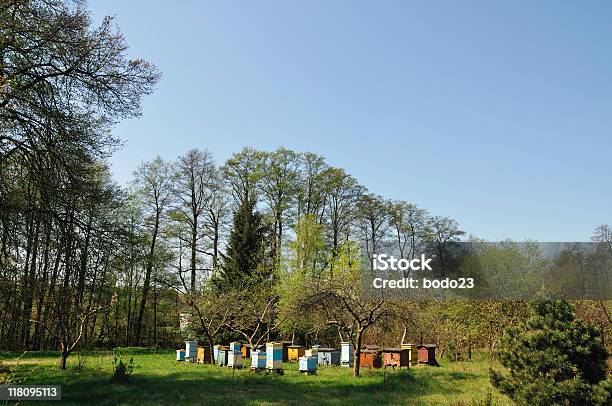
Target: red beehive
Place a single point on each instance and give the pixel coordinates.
(427, 354)
(370, 359)
(396, 357)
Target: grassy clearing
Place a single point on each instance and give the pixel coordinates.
(158, 379)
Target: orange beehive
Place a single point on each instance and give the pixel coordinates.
(371, 359)
(246, 351)
(395, 357)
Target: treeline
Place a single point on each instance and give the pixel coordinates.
(64, 83)
(84, 261)
(268, 245)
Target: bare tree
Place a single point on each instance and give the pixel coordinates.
(153, 183)
(194, 178)
(408, 223)
(373, 222)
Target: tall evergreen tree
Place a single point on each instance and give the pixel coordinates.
(243, 262)
(553, 360)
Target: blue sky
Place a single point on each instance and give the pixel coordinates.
(497, 114)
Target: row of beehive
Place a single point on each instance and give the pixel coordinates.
(277, 352)
(399, 357)
(229, 356)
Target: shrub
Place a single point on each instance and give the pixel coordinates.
(454, 353)
(6, 375)
(80, 365)
(121, 371)
(553, 359)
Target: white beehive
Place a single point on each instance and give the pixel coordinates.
(274, 355)
(191, 350)
(234, 359)
(346, 354)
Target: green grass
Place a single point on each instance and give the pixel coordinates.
(159, 379)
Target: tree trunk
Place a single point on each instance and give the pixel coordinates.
(210, 344)
(147, 281)
(215, 257)
(63, 356)
(357, 357)
(194, 242)
(155, 316)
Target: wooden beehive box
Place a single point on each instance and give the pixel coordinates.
(427, 354)
(235, 346)
(234, 359)
(203, 355)
(191, 348)
(222, 355)
(413, 352)
(216, 352)
(308, 364)
(395, 357)
(295, 352)
(328, 356)
(274, 355)
(286, 345)
(258, 360)
(371, 359)
(246, 351)
(346, 354)
(180, 355)
(312, 352)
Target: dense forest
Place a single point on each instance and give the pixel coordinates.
(267, 245)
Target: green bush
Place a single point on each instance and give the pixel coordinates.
(6, 375)
(454, 353)
(121, 371)
(553, 360)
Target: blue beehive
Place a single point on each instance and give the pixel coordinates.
(308, 364)
(235, 346)
(258, 360)
(274, 352)
(180, 355)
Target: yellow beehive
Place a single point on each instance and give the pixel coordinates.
(294, 352)
(413, 352)
(203, 355)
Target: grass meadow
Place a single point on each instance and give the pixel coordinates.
(159, 379)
